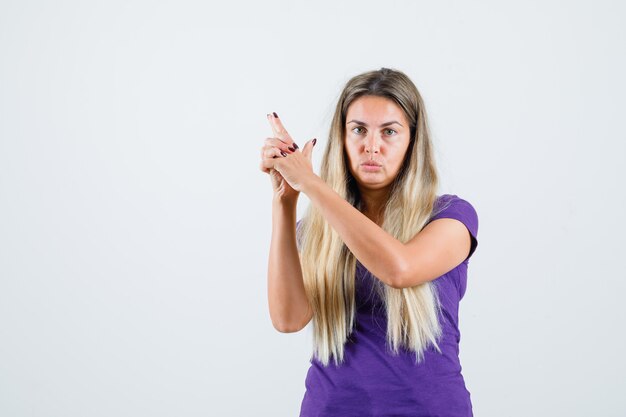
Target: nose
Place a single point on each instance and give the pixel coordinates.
(372, 144)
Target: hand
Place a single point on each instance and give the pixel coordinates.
(275, 147)
(293, 167)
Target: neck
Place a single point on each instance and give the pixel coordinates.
(373, 201)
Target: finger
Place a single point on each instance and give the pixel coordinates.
(267, 156)
(269, 163)
(273, 152)
(307, 151)
(269, 150)
(264, 169)
(277, 142)
(278, 128)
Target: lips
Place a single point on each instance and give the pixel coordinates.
(371, 163)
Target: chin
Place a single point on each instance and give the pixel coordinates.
(370, 181)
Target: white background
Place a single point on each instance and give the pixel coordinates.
(135, 221)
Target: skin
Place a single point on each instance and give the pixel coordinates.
(370, 137)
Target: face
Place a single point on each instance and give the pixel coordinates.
(376, 130)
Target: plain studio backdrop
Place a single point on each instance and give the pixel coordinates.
(135, 222)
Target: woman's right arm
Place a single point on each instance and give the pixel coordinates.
(290, 309)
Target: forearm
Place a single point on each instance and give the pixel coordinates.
(288, 304)
(376, 249)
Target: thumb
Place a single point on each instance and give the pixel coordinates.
(308, 148)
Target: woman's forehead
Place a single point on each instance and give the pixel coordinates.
(375, 111)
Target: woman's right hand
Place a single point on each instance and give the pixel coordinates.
(272, 149)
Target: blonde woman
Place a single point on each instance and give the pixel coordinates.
(378, 264)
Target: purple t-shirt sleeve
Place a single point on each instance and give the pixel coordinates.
(453, 207)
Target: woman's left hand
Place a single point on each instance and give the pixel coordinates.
(296, 168)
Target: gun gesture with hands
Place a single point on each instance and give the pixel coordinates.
(289, 168)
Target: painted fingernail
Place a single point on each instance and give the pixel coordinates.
(295, 146)
(275, 115)
(291, 149)
(314, 140)
(283, 153)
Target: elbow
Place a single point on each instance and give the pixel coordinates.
(404, 278)
(287, 328)
(291, 327)
(289, 324)
(396, 278)
(396, 283)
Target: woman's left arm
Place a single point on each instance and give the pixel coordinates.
(381, 253)
(436, 249)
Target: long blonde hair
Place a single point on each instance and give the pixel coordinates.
(329, 267)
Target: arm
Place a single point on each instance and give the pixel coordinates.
(437, 249)
(290, 310)
(381, 253)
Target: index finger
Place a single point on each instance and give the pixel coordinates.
(278, 128)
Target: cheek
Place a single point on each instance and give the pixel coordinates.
(398, 157)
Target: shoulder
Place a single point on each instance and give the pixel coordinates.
(451, 205)
(454, 207)
(444, 201)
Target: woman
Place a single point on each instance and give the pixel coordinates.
(379, 261)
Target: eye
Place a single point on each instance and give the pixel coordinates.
(358, 127)
(390, 130)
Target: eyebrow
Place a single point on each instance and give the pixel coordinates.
(365, 124)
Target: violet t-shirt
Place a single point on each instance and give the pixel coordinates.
(372, 381)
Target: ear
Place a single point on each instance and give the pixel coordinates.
(308, 148)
